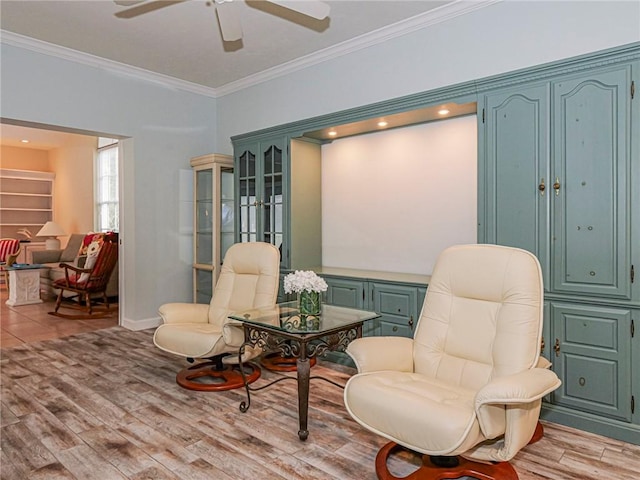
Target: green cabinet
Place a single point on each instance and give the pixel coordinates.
(559, 177)
(398, 307)
(260, 191)
(345, 292)
(556, 165)
(278, 197)
(592, 353)
(591, 127)
(516, 165)
(398, 299)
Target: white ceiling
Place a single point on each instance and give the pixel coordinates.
(37, 138)
(182, 39)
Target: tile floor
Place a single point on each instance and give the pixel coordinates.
(31, 323)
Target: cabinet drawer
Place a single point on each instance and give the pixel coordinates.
(395, 330)
(345, 293)
(398, 307)
(593, 358)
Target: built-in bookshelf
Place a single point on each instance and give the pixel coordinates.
(26, 201)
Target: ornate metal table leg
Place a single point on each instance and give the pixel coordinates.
(304, 369)
(244, 406)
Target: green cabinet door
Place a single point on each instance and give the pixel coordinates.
(517, 170)
(592, 357)
(260, 187)
(246, 178)
(398, 307)
(591, 131)
(345, 293)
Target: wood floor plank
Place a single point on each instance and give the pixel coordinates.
(84, 462)
(233, 463)
(105, 405)
(22, 450)
(117, 450)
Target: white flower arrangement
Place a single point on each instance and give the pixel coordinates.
(304, 280)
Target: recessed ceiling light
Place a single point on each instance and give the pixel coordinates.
(333, 133)
(25, 141)
(383, 123)
(443, 111)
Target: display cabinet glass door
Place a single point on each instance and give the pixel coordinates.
(214, 228)
(272, 202)
(247, 199)
(227, 200)
(203, 273)
(260, 180)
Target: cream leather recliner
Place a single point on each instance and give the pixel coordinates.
(468, 383)
(249, 279)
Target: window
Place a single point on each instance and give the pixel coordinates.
(107, 218)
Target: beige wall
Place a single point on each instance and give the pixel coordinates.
(73, 186)
(18, 158)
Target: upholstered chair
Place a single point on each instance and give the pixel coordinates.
(466, 391)
(249, 279)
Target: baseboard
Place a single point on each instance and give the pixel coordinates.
(627, 432)
(142, 324)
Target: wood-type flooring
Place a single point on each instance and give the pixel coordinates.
(104, 405)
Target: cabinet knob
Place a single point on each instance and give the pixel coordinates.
(542, 187)
(411, 322)
(556, 186)
(556, 347)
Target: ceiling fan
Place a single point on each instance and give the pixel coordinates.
(228, 18)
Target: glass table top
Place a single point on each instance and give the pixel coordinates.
(285, 317)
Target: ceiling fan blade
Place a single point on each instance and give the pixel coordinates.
(228, 20)
(145, 7)
(127, 3)
(311, 8)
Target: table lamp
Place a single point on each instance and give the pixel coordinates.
(51, 230)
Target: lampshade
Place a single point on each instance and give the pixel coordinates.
(51, 230)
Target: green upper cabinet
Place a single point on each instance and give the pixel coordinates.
(260, 187)
(278, 198)
(591, 129)
(517, 169)
(555, 177)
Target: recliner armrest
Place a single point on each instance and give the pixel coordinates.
(373, 354)
(184, 312)
(46, 256)
(523, 387)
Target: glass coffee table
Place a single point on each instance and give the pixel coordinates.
(282, 329)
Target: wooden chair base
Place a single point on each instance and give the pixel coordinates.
(209, 377)
(429, 471)
(84, 304)
(537, 434)
(276, 362)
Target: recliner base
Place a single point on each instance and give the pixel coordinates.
(210, 376)
(429, 471)
(277, 362)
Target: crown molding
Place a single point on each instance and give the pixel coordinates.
(88, 59)
(432, 17)
(418, 22)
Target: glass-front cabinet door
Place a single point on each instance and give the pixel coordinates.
(213, 220)
(272, 201)
(260, 182)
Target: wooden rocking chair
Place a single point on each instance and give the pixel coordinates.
(86, 282)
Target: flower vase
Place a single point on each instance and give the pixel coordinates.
(309, 303)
